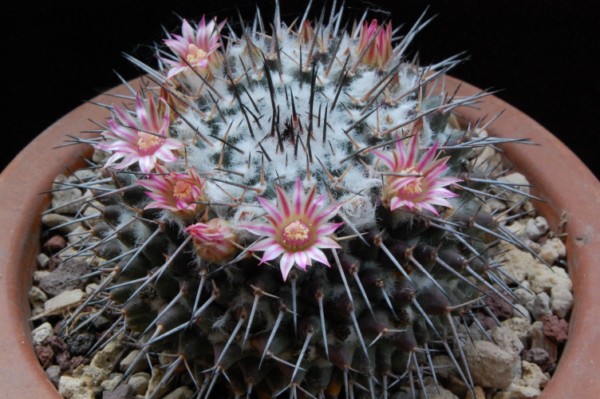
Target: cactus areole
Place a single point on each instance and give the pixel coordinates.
(295, 210)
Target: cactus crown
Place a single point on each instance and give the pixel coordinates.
(295, 209)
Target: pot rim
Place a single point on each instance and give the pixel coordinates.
(573, 192)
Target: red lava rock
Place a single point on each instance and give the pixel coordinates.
(57, 343)
(500, 307)
(54, 245)
(45, 355)
(486, 321)
(63, 359)
(556, 329)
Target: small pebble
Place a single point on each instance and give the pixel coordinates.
(54, 244)
(540, 357)
(501, 307)
(182, 393)
(75, 388)
(38, 275)
(100, 156)
(63, 302)
(521, 311)
(543, 278)
(552, 250)
(81, 343)
(108, 357)
(112, 381)
(536, 228)
(517, 228)
(53, 372)
(123, 391)
(479, 393)
(41, 333)
(520, 183)
(59, 223)
(432, 391)
(36, 297)
(540, 306)
(556, 329)
(155, 383)
(541, 341)
(95, 374)
(562, 299)
(45, 355)
(129, 359)
(67, 276)
(488, 156)
(92, 210)
(64, 199)
(516, 391)
(63, 359)
(491, 366)
(78, 236)
(42, 260)
(139, 382)
(523, 293)
(82, 175)
(91, 288)
(515, 262)
(507, 340)
(533, 376)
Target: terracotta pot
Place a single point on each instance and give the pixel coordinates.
(555, 171)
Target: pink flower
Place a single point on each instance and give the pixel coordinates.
(214, 241)
(196, 48)
(180, 193)
(297, 229)
(379, 48)
(141, 138)
(415, 183)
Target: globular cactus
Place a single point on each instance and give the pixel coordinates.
(295, 208)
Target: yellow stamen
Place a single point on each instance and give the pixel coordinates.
(183, 191)
(295, 234)
(148, 141)
(195, 54)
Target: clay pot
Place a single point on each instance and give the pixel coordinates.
(571, 190)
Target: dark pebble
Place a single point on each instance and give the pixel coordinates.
(101, 323)
(53, 372)
(53, 245)
(540, 357)
(80, 344)
(63, 359)
(67, 276)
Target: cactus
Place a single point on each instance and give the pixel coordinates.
(294, 209)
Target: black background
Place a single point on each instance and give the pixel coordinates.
(541, 55)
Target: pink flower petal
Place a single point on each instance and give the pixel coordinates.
(285, 264)
(318, 255)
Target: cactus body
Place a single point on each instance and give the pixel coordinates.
(295, 210)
